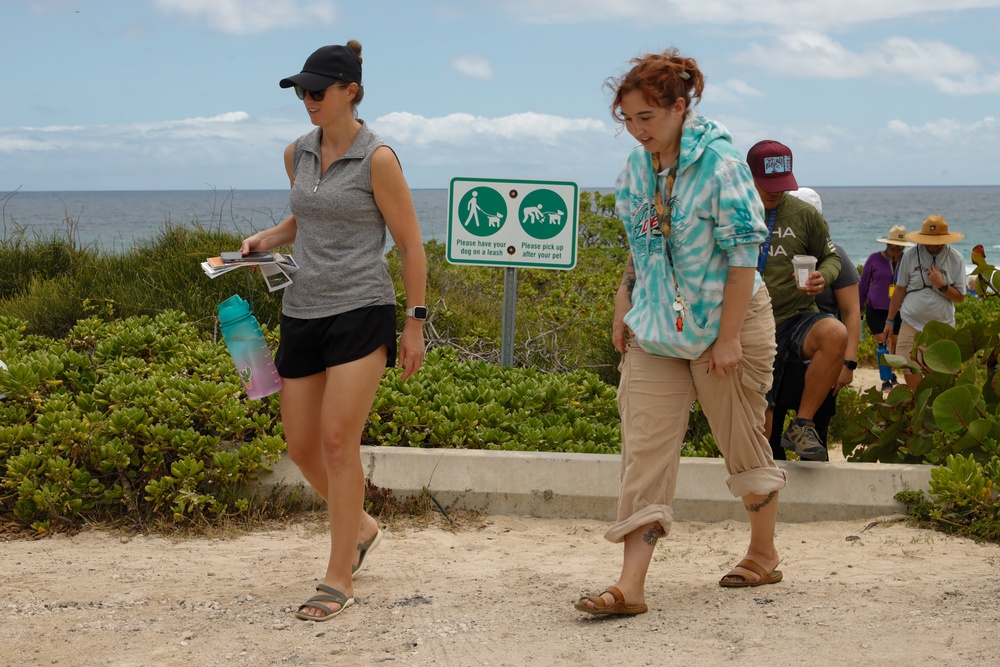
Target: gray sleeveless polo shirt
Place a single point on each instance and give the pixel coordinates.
(340, 233)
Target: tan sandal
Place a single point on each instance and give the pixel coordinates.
(602, 608)
(737, 580)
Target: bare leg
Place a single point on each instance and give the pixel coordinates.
(323, 417)
(301, 406)
(763, 514)
(639, 547)
(824, 346)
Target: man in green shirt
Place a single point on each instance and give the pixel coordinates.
(803, 332)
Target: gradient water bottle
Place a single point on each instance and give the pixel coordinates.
(884, 370)
(248, 348)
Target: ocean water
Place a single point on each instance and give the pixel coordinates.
(117, 220)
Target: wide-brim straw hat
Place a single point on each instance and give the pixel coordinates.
(896, 236)
(934, 231)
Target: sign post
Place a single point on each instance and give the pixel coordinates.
(512, 223)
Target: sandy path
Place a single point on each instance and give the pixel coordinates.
(499, 591)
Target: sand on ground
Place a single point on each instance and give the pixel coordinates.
(498, 590)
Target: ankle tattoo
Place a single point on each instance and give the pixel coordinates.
(653, 534)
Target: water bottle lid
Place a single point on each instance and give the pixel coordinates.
(233, 308)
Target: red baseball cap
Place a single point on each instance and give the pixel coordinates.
(771, 165)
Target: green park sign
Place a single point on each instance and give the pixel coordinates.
(512, 223)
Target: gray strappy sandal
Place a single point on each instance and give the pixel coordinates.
(333, 595)
(364, 548)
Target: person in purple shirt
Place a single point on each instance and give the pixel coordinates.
(878, 278)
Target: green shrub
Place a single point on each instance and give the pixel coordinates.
(122, 401)
(142, 417)
(962, 498)
(459, 404)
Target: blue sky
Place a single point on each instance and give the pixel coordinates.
(183, 94)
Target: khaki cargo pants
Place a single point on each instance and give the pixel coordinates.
(654, 400)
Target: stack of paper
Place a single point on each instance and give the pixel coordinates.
(276, 268)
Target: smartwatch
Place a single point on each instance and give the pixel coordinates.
(851, 364)
(417, 312)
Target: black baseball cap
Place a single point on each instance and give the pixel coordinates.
(325, 67)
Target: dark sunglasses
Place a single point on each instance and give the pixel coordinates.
(318, 95)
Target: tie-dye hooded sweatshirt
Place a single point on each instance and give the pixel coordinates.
(717, 222)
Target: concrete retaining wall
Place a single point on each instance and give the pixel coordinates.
(543, 484)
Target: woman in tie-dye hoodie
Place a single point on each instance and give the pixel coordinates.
(692, 320)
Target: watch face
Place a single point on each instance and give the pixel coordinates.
(418, 312)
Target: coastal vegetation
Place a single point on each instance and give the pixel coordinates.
(121, 404)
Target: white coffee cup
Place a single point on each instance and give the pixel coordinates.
(803, 265)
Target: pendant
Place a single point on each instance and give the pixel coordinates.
(679, 309)
(892, 288)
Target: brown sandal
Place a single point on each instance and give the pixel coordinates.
(602, 608)
(730, 580)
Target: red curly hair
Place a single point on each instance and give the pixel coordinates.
(661, 78)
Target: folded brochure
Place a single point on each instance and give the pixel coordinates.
(276, 268)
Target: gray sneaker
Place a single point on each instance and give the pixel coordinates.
(802, 438)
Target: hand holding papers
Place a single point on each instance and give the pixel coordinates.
(276, 268)
(253, 257)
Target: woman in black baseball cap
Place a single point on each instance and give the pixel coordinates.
(338, 320)
(328, 66)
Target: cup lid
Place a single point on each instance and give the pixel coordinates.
(233, 308)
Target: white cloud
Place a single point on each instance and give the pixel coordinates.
(731, 91)
(814, 55)
(801, 13)
(802, 47)
(242, 17)
(474, 67)
(240, 150)
(987, 84)
(54, 137)
(527, 145)
(227, 150)
(944, 130)
(462, 128)
(236, 148)
(807, 55)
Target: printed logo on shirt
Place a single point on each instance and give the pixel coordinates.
(644, 221)
(776, 249)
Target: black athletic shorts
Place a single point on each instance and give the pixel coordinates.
(789, 337)
(308, 347)
(876, 321)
